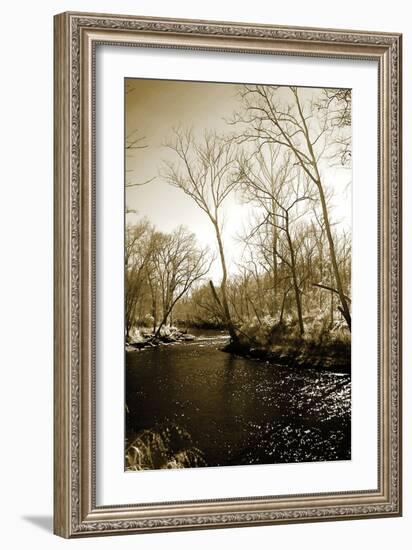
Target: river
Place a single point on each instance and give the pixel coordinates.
(238, 411)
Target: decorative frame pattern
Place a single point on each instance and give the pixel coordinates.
(76, 36)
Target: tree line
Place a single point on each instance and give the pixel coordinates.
(296, 261)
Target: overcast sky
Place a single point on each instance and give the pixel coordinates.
(152, 109)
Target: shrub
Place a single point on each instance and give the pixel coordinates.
(267, 331)
(163, 447)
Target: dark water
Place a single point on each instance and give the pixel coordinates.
(238, 411)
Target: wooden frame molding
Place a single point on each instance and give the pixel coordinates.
(76, 37)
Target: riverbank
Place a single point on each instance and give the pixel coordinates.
(333, 357)
(145, 338)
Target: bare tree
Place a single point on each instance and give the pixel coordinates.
(138, 250)
(336, 105)
(269, 117)
(204, 173)
(134, 142)
(179, 264)
(272, 181)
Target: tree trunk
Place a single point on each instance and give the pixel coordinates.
(154, 303)
(159, 328)
(295, 280)
(167, 313)
(339, 287)
(275, 262)
(224, 302)
(331, 309)
(154, 310)
(344, 304)
(282, 309)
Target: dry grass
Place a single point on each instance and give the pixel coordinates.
(164, 447)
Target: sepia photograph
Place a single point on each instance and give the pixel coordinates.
(237, 298)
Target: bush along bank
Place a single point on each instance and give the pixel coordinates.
(322, 347)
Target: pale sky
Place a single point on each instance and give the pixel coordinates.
(152, 109)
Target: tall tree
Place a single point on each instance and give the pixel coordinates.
(270, 179)
(269, 116)
(204, 172)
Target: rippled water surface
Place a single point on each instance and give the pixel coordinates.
(238, 411)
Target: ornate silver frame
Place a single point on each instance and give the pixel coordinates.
(75, 39)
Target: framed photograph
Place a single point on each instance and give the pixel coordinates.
(227, 274)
